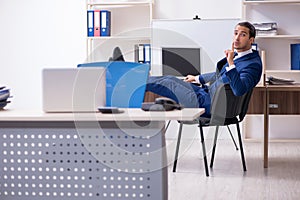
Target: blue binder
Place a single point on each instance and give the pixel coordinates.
(147, 53)
(295, 56)
(125, 82)
(105, 16)
(90, 23)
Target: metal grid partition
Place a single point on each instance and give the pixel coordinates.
(65, 160)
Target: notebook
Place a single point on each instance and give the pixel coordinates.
(73, 89)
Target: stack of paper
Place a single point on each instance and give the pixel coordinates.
(268, 28)
(4, 95)
(279, 81)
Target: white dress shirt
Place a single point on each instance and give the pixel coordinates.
(239, 54)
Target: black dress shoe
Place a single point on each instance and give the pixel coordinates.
(117, 55)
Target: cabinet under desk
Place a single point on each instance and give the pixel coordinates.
(283, 100)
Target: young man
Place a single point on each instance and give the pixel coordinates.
(242, 72)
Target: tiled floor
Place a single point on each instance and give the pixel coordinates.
(227, 179)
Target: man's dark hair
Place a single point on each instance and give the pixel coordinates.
(252, 31)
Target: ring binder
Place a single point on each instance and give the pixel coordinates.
(90, 23)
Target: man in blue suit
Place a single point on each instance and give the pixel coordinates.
(241, 68)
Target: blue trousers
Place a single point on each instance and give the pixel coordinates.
(187, 94)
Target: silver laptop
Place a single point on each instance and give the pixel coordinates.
(73, 89)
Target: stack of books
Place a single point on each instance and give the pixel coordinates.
(266, 29)
(4, 95)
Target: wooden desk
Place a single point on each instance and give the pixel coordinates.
(277, 100)
(291, 107)
(85, 156)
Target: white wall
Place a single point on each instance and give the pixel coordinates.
(35, 34)
(40, 33)
(205, 9)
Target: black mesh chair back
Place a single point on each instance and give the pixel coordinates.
(226, 108)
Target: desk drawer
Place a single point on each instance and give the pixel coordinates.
(280, 102)
(287, 102)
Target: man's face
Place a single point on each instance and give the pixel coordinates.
(241, 39)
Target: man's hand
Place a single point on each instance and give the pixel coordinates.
(189, 78)
(230, 55)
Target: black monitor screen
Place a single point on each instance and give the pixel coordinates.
(181, 61)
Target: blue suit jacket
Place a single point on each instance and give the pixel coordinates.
(242, 78)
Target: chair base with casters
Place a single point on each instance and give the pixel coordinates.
(235, 110)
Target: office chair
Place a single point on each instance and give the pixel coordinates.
(226, 109)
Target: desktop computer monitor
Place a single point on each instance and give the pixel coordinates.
(180, 61)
